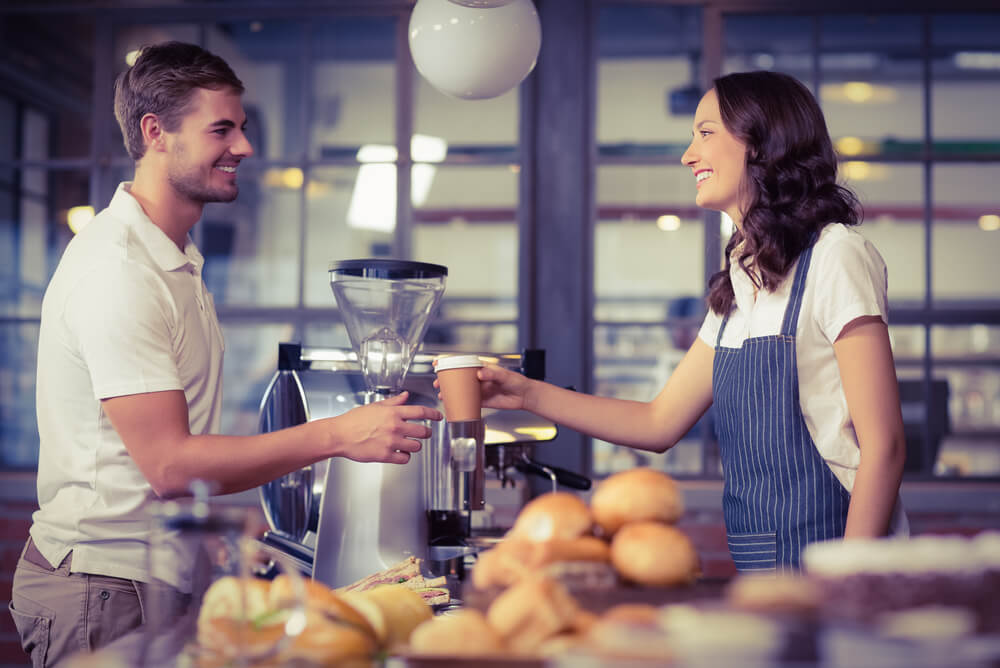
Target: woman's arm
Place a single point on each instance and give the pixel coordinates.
(868, 373)
(655, 425)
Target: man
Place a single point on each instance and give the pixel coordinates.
(130, 362)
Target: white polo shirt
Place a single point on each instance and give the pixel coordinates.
(126, 312)
(847, 279)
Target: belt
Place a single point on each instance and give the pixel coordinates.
(33, 556)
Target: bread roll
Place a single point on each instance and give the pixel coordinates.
(233, 597)
(463, 632)
(655, 554)
(792, 593)
(634, 496)
(532, 611)
(392, 610)
(517, 557)
(320, 598)
(329, 642)
(552, 515)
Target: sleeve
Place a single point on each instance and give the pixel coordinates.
(122, 317)
(710, 328)
(852, 282)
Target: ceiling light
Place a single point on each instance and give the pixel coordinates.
(474, 49)
(669, 223)
(989, 223)
(78, 216)
(849, 146)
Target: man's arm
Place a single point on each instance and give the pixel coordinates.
(867, 371)
(154, 429)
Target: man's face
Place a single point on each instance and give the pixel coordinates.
(718, 160)
(206, 150)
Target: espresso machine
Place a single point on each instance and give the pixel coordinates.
(341, 520)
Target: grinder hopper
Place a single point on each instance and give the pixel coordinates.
(386, 305)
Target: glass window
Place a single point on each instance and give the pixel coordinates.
(18, 426)
(872, 92)
(966, 82)
(347, 216)
(966, 234)
(353, 86)
(649, 237)
(251, 245)
(55, 84)
(767, 42)
(649, 241)
(39, 209)
(465, 219)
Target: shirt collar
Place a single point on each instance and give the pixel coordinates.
(163, 251)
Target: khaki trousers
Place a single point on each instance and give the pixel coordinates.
(58, 613)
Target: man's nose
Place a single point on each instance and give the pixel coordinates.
(243, 146)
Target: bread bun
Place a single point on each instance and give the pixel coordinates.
(634, 496)
(552, 515)
(635, 614)
(515, 557)
(233, 597)
(318, 597)
(463, 632)
(532, 611)
(228, 639)
(392, 610)
(792, 593)
(655, 554)
(328, 642)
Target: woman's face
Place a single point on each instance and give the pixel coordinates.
(718, 160)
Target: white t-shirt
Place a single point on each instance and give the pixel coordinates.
(847, 279)
(126, 312)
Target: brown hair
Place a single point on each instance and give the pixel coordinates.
(162, 81)
(791, 178)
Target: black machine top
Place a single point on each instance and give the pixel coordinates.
(388, 269)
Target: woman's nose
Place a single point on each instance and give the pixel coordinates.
(688, 158)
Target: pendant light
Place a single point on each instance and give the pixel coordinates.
(474, 49)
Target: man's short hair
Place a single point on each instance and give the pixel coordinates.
(162, 81)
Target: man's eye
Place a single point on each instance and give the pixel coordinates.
(221, 132)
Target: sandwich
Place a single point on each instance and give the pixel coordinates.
(434, 591)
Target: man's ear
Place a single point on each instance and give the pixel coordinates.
(152, 133)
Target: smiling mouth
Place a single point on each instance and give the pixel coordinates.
(228, 169)
(700, 177)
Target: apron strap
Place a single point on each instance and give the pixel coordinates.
(791, 320)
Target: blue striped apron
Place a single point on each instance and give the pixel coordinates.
(779, 494)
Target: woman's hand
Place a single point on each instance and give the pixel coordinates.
(501, 388)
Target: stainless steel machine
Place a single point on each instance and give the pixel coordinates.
(342, 520)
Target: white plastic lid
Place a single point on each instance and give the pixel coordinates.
(457, 362)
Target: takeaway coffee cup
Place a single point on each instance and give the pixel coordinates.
(460, 389)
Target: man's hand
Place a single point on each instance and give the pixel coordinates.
(382, 431)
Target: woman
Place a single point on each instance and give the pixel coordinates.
(794, 353)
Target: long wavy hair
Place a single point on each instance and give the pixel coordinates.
(790, 183)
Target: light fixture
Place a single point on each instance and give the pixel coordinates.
(78, 216)
(474, 49)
